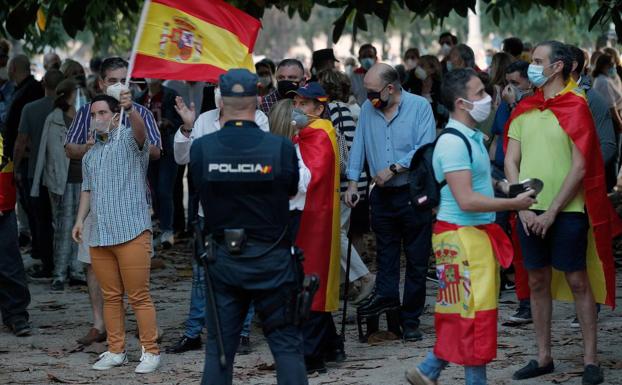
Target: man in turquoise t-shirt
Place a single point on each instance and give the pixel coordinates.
(466, 201)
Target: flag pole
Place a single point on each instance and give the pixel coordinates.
(139, 32)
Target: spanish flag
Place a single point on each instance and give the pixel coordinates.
(192, 40)
(7, 183)
(575, 118)
(318, 235)
(467, 266)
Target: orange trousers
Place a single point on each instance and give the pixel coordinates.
(120, 269)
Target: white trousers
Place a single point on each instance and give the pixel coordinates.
(357, 266)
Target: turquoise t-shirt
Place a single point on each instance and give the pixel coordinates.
(451, 154)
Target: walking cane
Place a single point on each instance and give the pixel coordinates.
(355, 198)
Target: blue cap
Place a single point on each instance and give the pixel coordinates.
(312, 90)
(238, 82)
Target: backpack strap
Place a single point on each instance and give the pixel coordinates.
(456, 132)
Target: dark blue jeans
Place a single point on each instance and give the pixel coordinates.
(396, 223)
(14, 293)
(162, 175)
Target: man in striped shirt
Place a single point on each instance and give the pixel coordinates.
(78, 142)
(113, 71)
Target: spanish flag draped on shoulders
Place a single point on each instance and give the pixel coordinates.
(318, 235)
(7, 184)
(571, 110)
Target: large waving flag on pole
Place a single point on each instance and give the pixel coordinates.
(192, 40)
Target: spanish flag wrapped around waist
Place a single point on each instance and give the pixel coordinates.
(575, 118)
(467, 267)
(318, 235)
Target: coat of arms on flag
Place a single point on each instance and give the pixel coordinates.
(181, 41)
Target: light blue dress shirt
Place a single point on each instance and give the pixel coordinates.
(451, 154)
(385, 142)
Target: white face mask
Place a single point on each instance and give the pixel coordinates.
(410, 64)
(445, 48)
(420, 73)
(481, 108)
(116, 89)
(4, 73)
(102, 127)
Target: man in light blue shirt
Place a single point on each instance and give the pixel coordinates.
(393, 124)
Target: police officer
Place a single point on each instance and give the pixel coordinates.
(246, 177)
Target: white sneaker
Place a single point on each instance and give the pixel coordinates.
(108, 360)
(148, 362)
(167, 239)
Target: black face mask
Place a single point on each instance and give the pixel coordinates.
(375, 98)
(284, 87)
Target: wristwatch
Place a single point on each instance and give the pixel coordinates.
(184, 131)
(393, 169)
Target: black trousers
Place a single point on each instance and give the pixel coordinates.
(320, 336)
(14, 294)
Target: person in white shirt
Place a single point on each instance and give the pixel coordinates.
(207, 123)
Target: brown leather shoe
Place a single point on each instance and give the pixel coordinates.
(92, 336)
(415, 377)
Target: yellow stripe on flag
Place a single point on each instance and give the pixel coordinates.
(559, 285)
(171, 34)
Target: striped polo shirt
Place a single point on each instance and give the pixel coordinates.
(79, 129)
(114, 171)
(344, 124)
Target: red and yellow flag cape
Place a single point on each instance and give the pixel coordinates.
(465, 315)
(318, 236)
(7, 184)
(193, 40)
(575, 118)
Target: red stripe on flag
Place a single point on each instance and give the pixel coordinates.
(152, 67)
(220, 14)
(466, 341)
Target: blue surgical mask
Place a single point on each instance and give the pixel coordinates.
(299, 118)
(536, 75)
(367, 62)
(449, 65)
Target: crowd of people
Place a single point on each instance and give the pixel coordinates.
(93, 171)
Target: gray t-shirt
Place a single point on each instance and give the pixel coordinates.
(31, 123)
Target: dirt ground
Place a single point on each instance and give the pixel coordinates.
(51, 355)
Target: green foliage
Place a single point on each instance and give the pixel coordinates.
(113, 22)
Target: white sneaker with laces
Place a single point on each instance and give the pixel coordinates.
(149, 362)
(108, 360)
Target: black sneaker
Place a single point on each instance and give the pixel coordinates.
(592, 375)
(412, 334)
(245, 346)
(37, 273)
(336, 355)
(522, 316)
(185, 344)
(315, 365)
(58, 285)
(21, 328)
(532, 369)
(378, 305)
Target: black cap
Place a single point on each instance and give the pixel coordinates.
(238, 82)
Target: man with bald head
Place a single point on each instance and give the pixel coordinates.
(393, 124)
(51, 61)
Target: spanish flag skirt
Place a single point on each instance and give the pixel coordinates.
(467, 267)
